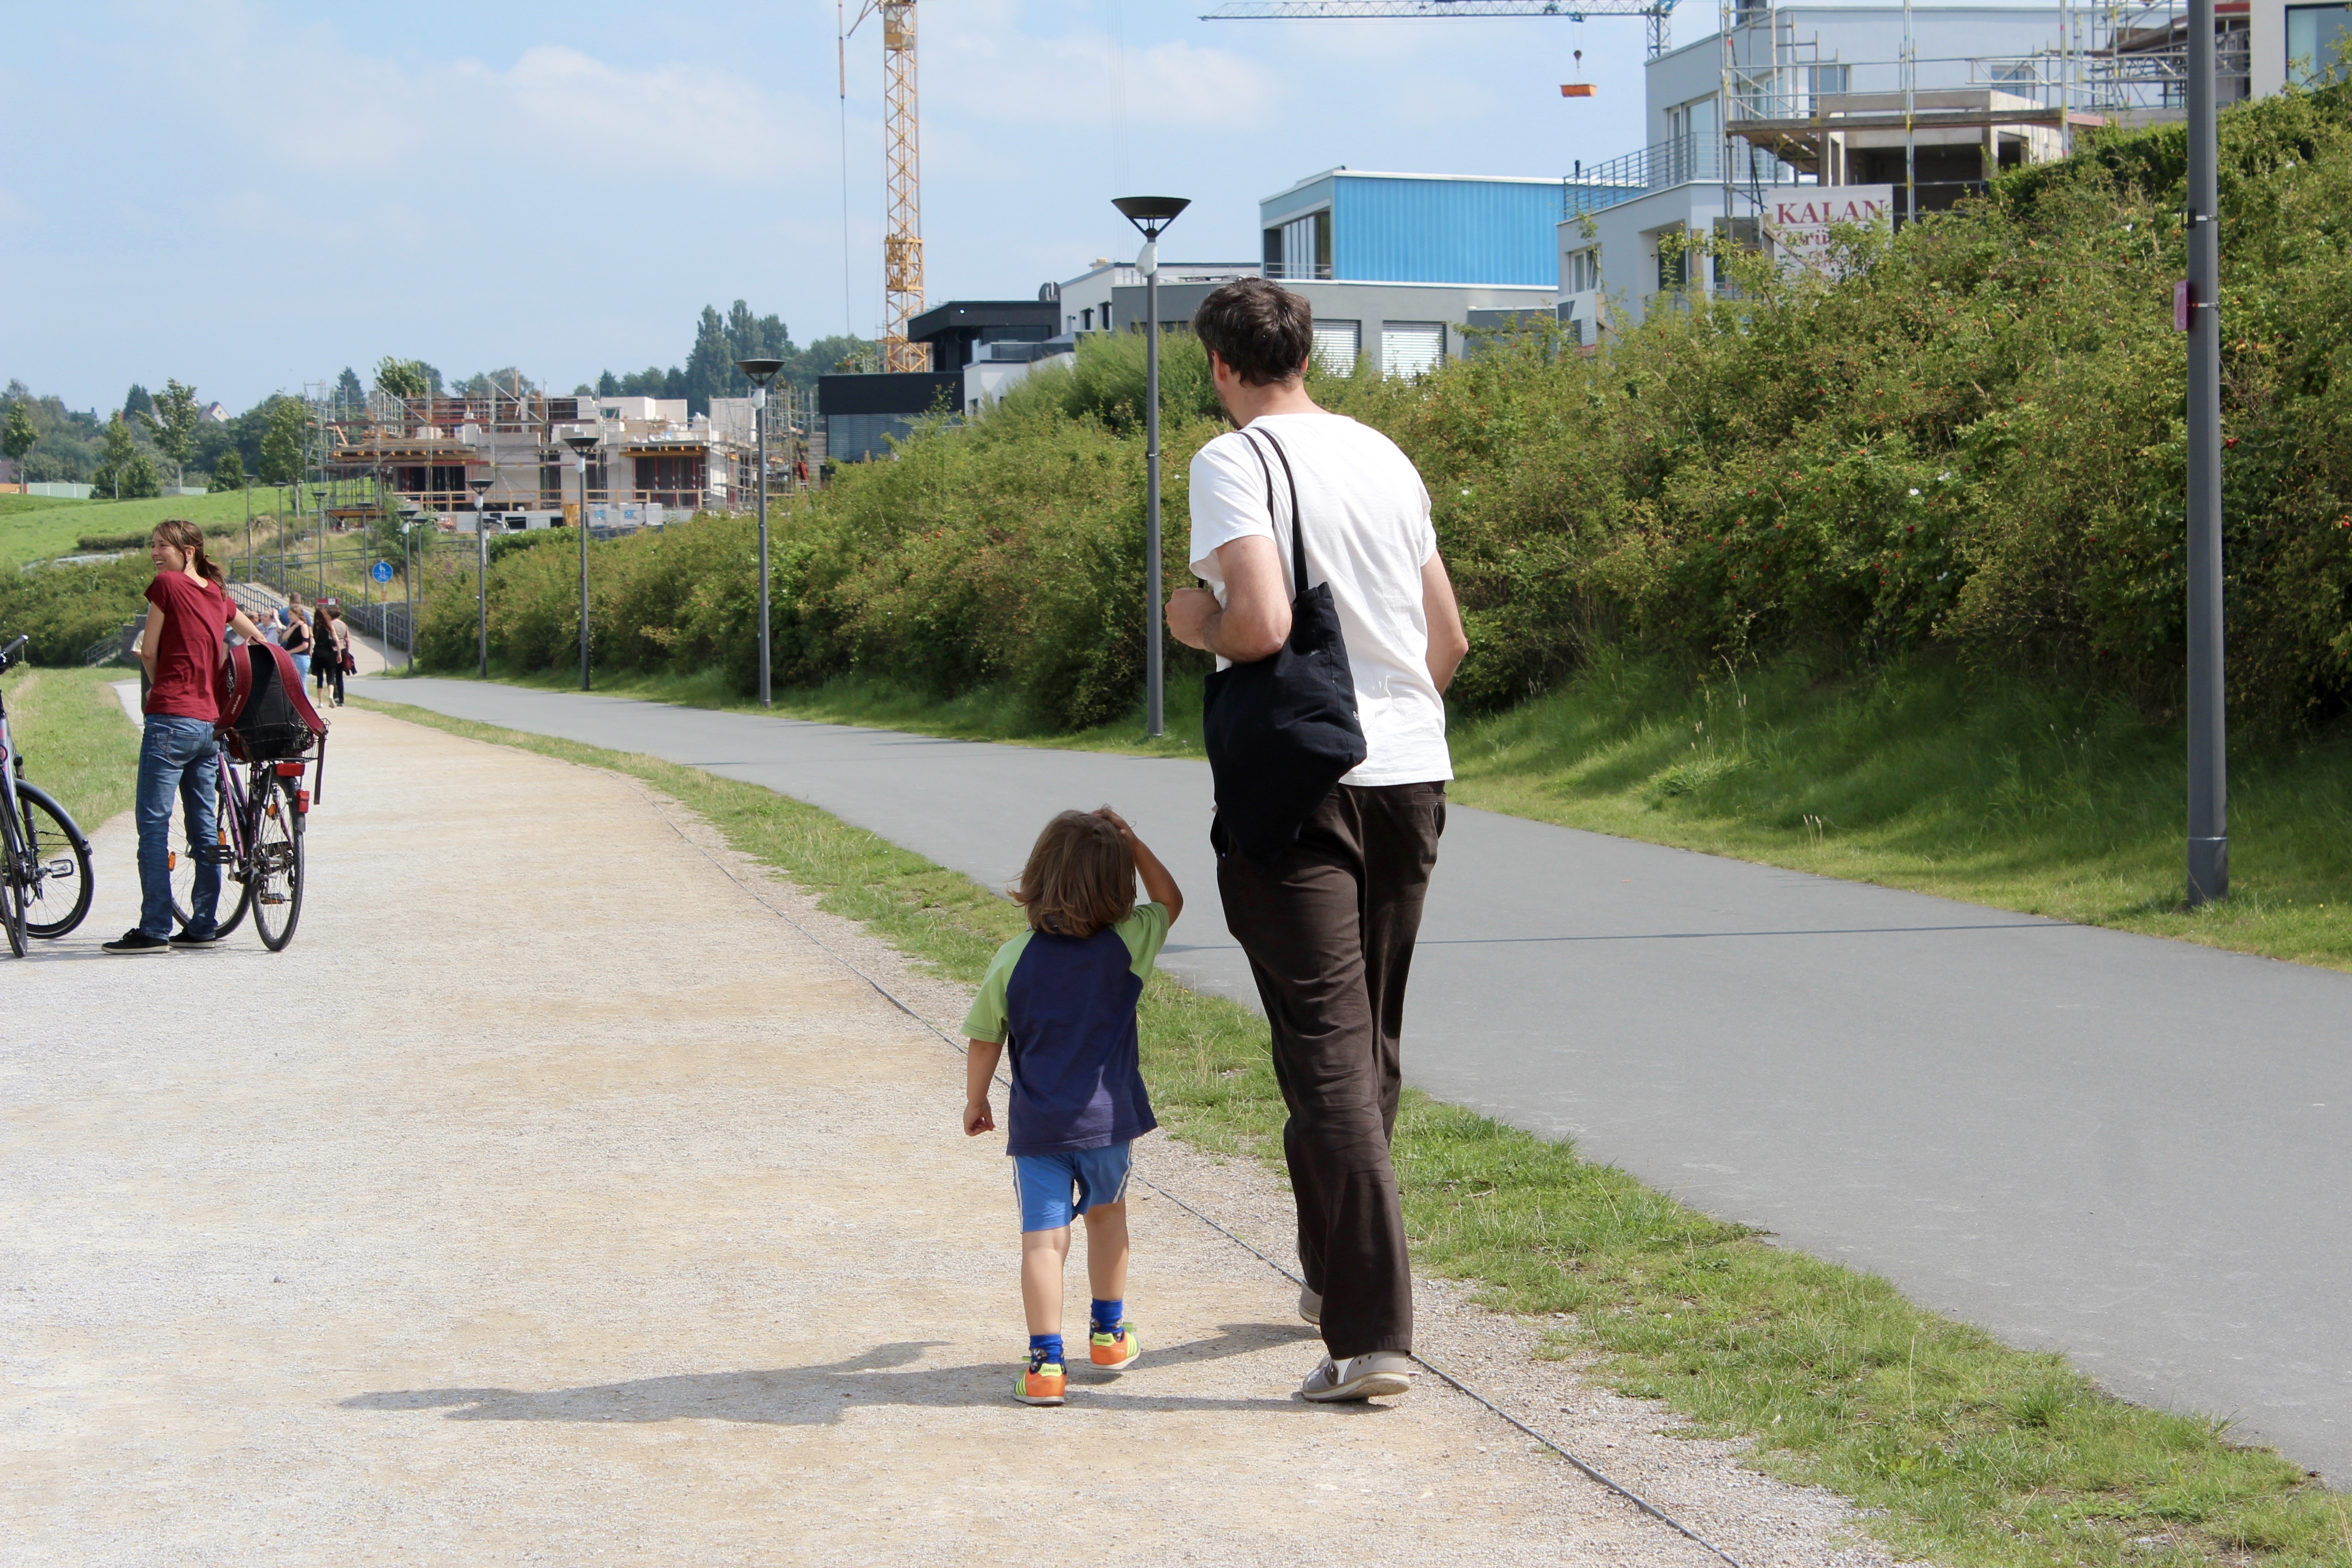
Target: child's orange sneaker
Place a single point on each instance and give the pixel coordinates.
(1041, 1385)
(1115, 1353)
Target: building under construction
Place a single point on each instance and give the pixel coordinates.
(506, 456)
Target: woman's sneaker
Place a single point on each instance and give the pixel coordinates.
(1115, 1353)
(1373, 1375)
(136, 941)
(1042, 1384)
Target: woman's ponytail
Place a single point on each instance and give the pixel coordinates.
(184, 535)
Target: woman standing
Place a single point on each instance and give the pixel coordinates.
(337, 647)
(296, 638)
(323, 657)
(181, 650)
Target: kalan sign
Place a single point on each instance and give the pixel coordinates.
(1799, 218)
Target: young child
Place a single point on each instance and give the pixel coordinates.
(1062, 995)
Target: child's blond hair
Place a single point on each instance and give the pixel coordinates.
(1080, 876)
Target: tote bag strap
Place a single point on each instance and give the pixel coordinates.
(1297, 522)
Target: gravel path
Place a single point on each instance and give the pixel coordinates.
(552, 1199)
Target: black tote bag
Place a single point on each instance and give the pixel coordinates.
(1283, 730)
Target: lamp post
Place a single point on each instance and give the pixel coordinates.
(581, 445)
(409, 513)
(2209, 768)
(481, 573)
(761, 372)
(1150, 215)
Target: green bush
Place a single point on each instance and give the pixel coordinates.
(94, 542)
(64, 609)
(1971, 443)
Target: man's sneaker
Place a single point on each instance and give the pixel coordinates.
(189, 937)
(136, 941)
(1040, 1385)
(1373, 1375)
(1117, 1353)
(1310, 1307)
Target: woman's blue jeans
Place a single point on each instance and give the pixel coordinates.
(176, 758)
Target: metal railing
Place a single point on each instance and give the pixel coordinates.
(1679, 161)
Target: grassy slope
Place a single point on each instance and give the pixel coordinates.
(78, 743)
(1918, 778)
(36, 528)
(1977, 1454)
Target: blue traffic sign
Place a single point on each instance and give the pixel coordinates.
(381, 570)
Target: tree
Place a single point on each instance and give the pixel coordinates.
(18, 439)
(283, 443)
(136, 402)
(402, 377)
(349, 395)
(228, 474)
(172, 418)
(124, 472)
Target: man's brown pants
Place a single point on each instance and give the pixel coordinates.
(1329, 931)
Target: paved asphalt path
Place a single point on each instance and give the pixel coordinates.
(2131, 1150)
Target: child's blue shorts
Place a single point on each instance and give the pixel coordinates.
(1046, 1184)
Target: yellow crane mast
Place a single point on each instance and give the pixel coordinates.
(902, 178)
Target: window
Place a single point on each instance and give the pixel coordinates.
(1305, 248)
(2314, 35)
(1090, 318)
(1411, 347)
(1582, 273)
(1829, 79)
(1337, 344)
(671, 480)
(1106, 309)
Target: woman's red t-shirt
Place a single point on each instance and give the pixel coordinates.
(187, 661)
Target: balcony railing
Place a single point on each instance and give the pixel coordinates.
(1680, 160)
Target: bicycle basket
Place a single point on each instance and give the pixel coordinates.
(264, 714)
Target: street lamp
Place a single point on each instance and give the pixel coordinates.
(581, 445)
(2209, 775)
(481, 572)
(1150, 215)
(761, 372)
(409, 513)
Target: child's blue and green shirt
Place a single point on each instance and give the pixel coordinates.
(1064, 1008)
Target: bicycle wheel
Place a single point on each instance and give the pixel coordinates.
(13, 878)
(274, 882)
(61, 885)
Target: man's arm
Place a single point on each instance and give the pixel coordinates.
(1256, 620)
(242, 624)
(1447, 641)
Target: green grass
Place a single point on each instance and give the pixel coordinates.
(78, 743)
(1968, 1452)
(1918, 777)
(36, 528)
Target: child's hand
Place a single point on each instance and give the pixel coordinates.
(1116, 820)
(977, 1118)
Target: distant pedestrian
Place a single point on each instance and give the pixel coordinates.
(295, 636)
(337, 646)
(1062, 997)
(1328, 922)
(180, 651)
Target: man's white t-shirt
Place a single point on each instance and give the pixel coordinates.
(1368, 535)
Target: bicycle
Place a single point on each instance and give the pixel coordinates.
(44, 853)
(261, 835)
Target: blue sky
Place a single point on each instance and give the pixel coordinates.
(248, 196)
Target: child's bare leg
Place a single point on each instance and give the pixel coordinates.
(1106, 1251)
(1043, 1254)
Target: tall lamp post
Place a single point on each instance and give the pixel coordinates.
(409, 513)
(761, 372)
(2209, 768)
(1150, 215)
(481, 573)
(581, 445)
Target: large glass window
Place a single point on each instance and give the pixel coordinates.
(2313, 35)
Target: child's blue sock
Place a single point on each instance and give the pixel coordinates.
(1045, 1349)
(1108, 1315)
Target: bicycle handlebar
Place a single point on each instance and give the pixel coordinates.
(8, 653)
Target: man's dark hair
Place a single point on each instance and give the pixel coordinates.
(1263, 332)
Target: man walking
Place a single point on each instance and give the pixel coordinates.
(1328, 928)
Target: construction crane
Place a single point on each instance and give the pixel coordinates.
(1657, 12)
(902, 177)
